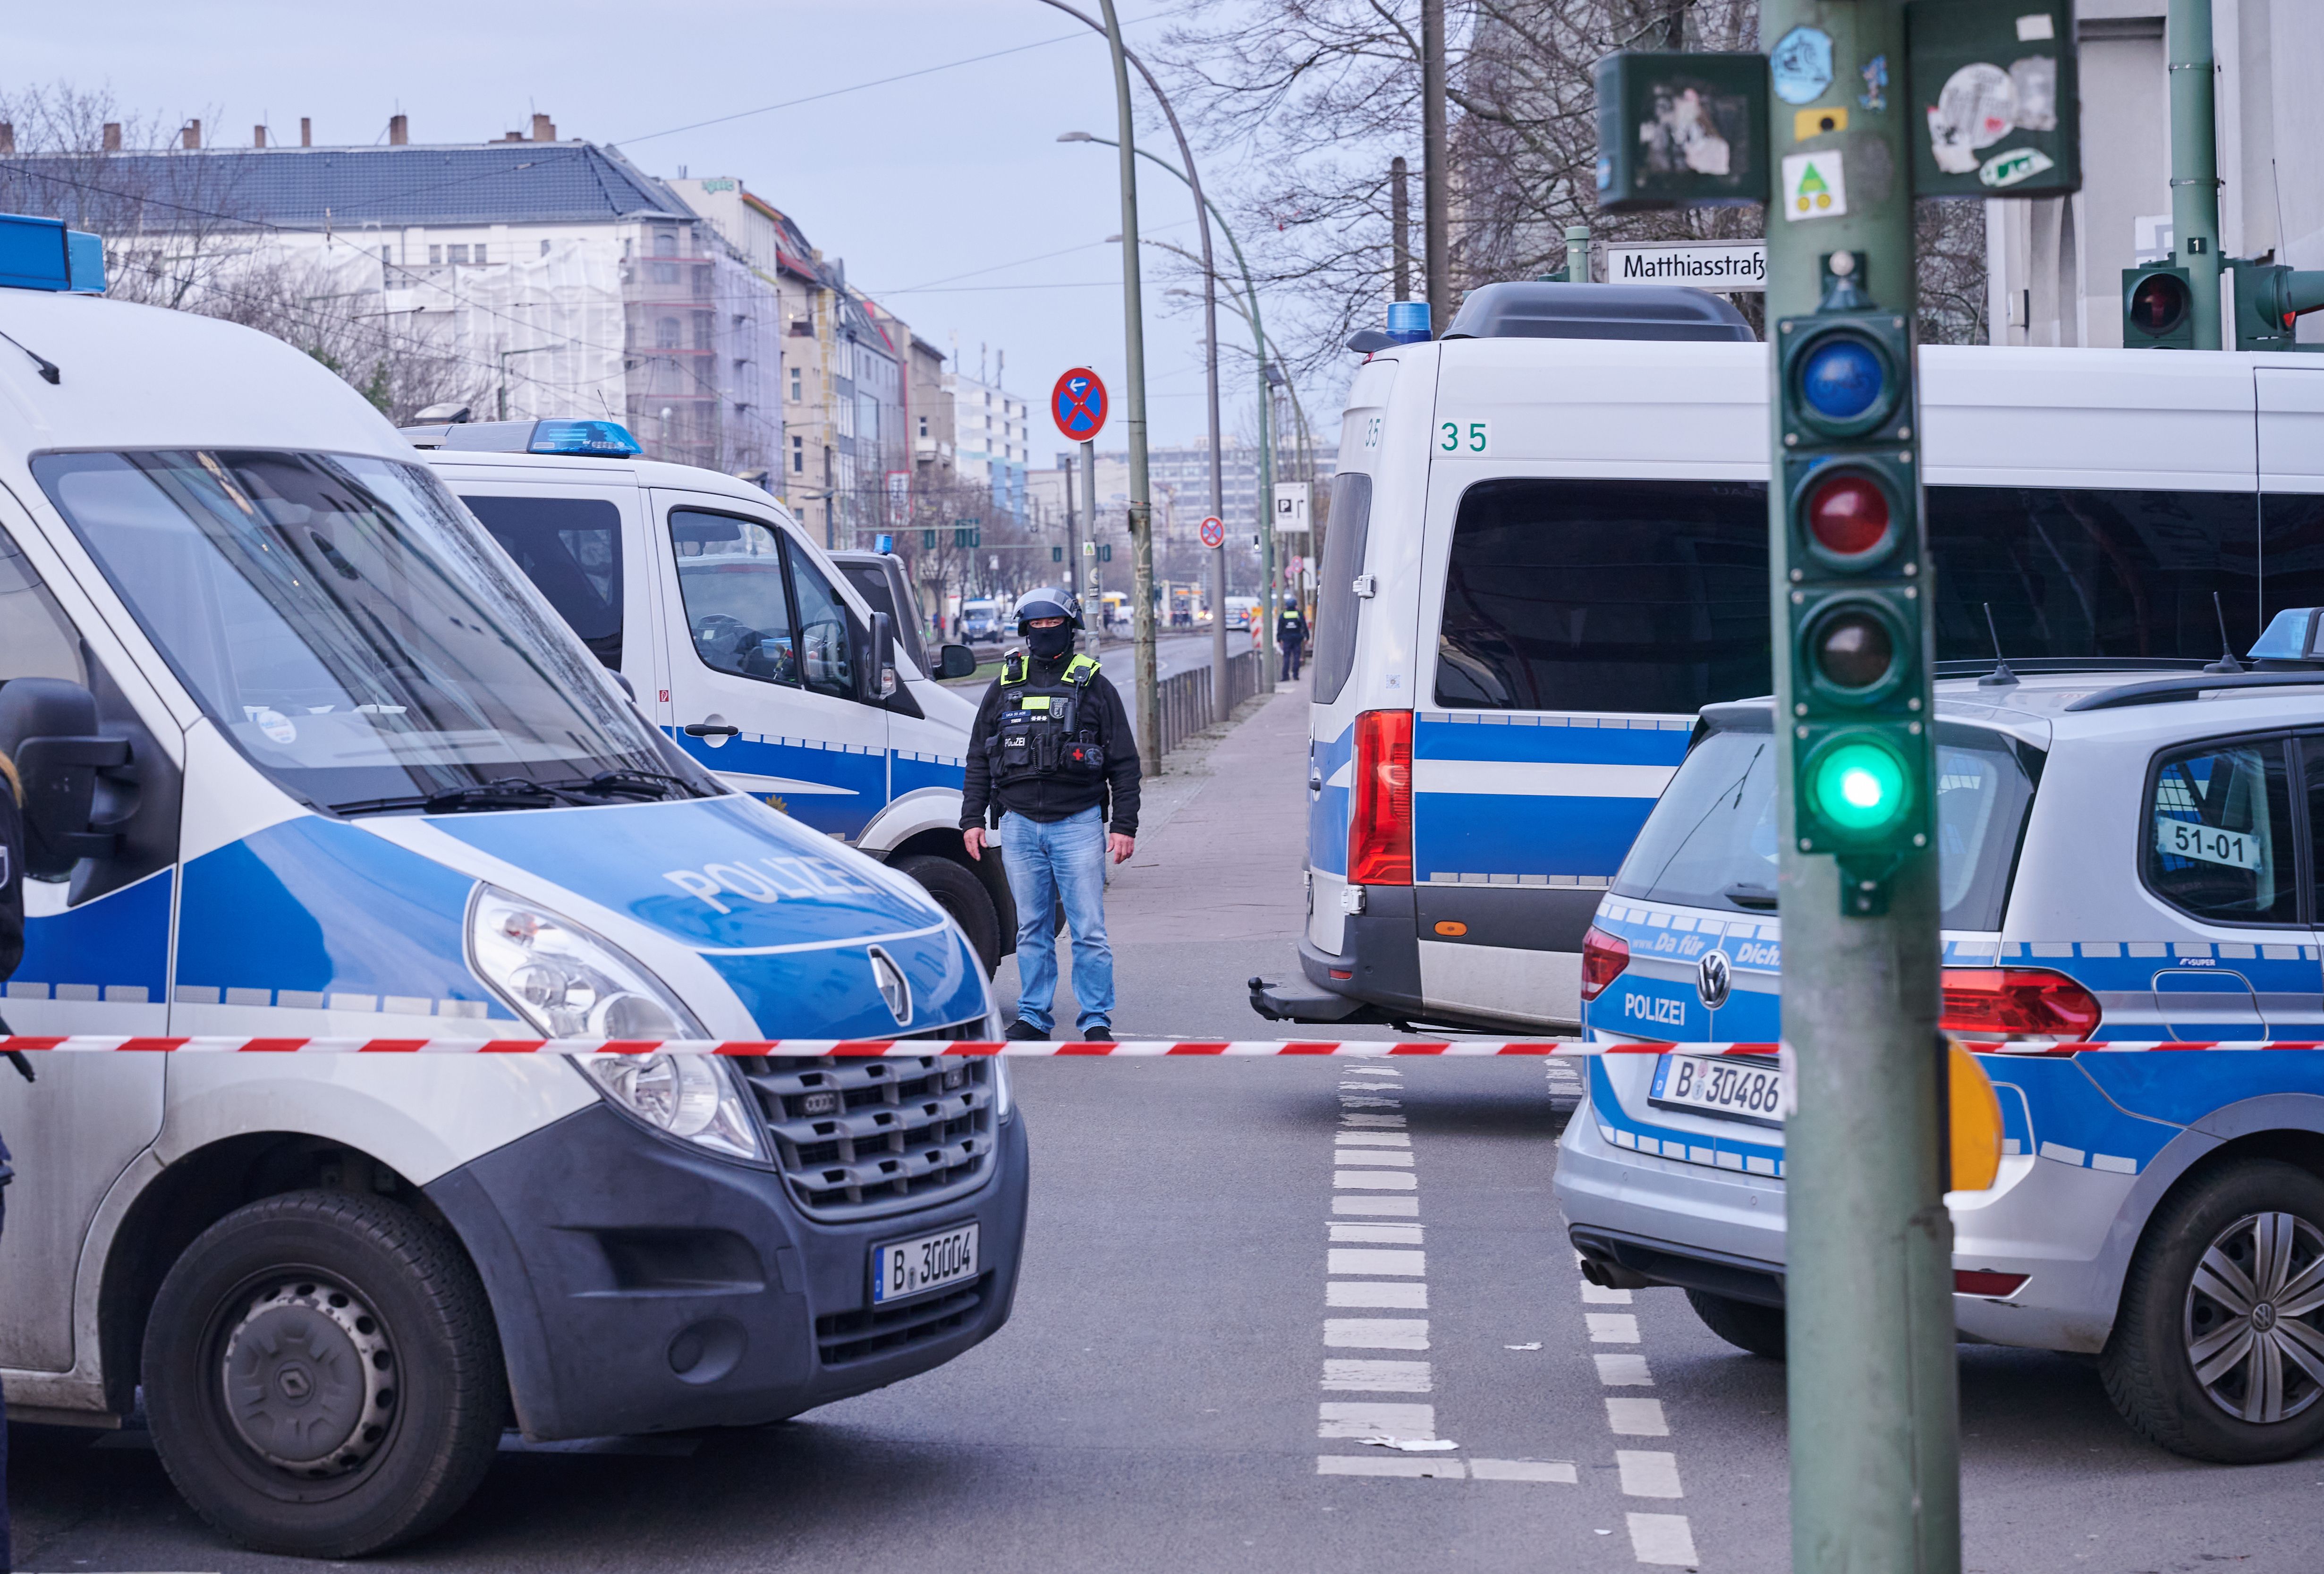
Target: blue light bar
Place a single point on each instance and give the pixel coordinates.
(601, 439)
(1407, 321)
(40, 254)
(884, 543)
(2290, 636)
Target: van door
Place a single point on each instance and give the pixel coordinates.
(772, 650)
(583, 546)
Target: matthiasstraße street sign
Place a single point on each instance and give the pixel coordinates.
(1725, 266)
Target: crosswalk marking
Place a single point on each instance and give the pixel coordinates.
(1637, 1418)
(1376, 1333)
(1376, 1292)
(1352, 1259)
(1377, 1376)
(1647, 1475)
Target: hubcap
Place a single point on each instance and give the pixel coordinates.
(307, 1378)
(2251, 1324)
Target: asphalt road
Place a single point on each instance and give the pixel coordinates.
(1236, 1271)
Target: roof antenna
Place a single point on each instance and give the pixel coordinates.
(2000, 676)
(2227, 661)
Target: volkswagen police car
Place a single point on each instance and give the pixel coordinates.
(2127, 854)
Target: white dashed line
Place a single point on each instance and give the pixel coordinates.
(1388, 1465)
(1398, 1158)
(1401, 1234)
(1377, 1376)
(1599, 1295)
(1376, 1333)
(1613, 1328)
(1373, 1122)
(1397, 1207)
(1373, 1139)
(1637, 1418)
(1663, 1537)
(1654, 1538)
(1372, 1181)
(1345, 1259)
(1624, 1371)
(1647, 1475)
(1364, 1418)
(1558, 1471)
(1376, 1292)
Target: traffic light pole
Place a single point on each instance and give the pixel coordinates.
(2195, 163)
(1875, 1463)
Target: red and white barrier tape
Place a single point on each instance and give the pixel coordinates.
(868, 1048)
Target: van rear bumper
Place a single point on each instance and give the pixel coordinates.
(642, 1286)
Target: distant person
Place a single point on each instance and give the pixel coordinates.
(1050, 747)
(1291, 636)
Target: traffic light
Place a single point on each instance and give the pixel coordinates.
(927, 540)
(1056, 553)
(1856, 625)
(2270, 300)
(1105, 552)
(2158, 309)
(967, 535)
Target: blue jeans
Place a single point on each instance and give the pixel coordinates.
(1046, 861)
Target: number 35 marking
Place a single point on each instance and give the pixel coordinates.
(1463, 437)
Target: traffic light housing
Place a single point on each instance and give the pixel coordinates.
(2269, 299)
(1856, 623)
(2158, 308)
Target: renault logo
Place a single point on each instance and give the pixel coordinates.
(1714, 979)
(894, 989)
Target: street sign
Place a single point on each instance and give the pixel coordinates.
(1078, 404)
(1727, 266)
(1291, 498)
(1214, 531)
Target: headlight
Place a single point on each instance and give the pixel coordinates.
(689, 1096)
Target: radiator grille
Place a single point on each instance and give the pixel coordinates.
(864, 1138)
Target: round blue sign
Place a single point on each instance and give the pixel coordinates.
(1078, 404)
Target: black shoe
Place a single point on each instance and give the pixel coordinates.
(1021, 1031)
(1099, 1035)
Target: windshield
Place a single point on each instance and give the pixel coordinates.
(1712, 842)
(357, 639)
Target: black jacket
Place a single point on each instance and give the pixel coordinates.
(1056, 797)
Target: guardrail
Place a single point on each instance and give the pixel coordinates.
(1185, 696)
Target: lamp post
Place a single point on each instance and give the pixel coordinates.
(1193, 179)
(536, 350)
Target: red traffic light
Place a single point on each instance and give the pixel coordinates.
(1848, 514)
(2159, 303)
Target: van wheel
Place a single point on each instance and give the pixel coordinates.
(1745, 1324)
(2217, 1352)
(964, 900)
(322, 1375)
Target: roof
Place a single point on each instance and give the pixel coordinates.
(349, 189)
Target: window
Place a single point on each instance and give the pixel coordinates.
(924, 428)
(457, 254)
(666, 334)
(730, 576)
(477, 253)
(665, 243)
(2218, 839)
(1603, 595)
(1338, 605)
(35, 640)
(570, 548)
(796, 385)
(544, 248)
(702, 330)
(435, 255)
(798, 456)
(827, 630)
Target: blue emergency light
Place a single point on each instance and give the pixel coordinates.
(884, 543)
(2293, 634)
(41, 254)
(1407, 321)
(600, 439)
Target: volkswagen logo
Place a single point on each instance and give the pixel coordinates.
(894, 989)
(1714, 979)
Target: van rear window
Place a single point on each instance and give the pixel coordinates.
(570, 548)
(1338, 606)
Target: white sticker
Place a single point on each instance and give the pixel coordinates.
(1471, 437)
(1815, 186)
(2036, 28)
(2209, 844)
(2007, 169)
(1977, 107)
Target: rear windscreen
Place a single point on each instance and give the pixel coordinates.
(1346, 526)
(570, 548)
(1711, 840)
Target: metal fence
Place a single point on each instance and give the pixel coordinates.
(1185, 696)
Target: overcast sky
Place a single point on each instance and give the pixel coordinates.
(953, 179)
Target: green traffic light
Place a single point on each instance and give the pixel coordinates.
(1859, 787)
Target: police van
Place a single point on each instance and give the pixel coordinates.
(1548, 551)
(743, 641)
(305, 756)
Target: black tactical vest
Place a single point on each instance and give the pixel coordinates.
(1045, 729)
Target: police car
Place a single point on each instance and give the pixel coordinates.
(2128, 854)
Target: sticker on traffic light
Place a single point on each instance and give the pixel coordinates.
(1844, 379)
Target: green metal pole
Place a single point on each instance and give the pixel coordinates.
(1874, 1452)
(2195, 161)
(1577, 253)
(1134, 401)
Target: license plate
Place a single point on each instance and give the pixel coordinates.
(1740, 1090)
(905, 1268)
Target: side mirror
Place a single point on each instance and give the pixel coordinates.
(955, 661)
(48, 726)
(880, 682)
(622, 678)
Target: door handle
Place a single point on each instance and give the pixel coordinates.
(710, 729)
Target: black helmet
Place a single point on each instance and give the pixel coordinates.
(1049, 600)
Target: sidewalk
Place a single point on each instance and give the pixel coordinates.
(1213, 893)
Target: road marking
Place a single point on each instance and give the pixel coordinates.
(1388, 1465)
(1647, 1475)
(1393, 1157)
(1377, 1376)
(1376, 1292)
(1557, 1470)
(1351, 1259)
(1371, 1417)
(1399, 1234)
(1373, 1139)
(1376, 1333)
(1378, 1122)
(1624, 1372)
(1637, 1418)
(1663, 1537)
(1402, 1207)
(1599, 1295)
(1352, 1101)
(1613, 1328)
(1369, 1181)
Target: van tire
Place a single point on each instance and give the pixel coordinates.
(964, 900)
(1745, 1324)
(371, 1312)
(2148, 1370)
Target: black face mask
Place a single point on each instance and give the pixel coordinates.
(1048, 644)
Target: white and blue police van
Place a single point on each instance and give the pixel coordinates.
(743, 641)
(2127, 855)
(305, 756)
(1547, 551)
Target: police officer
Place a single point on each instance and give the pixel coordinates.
(1052, 756)
(1291, 634)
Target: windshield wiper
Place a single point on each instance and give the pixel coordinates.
(1745, 895)
(643, 785)
(507, 793)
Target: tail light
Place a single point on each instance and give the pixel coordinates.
(1379, 834)
(1604, 958)
(2016, 1002)
(1986, 1282)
